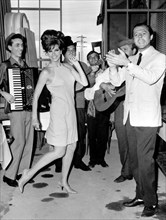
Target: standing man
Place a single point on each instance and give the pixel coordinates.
(98, 122)
(144, 74)
(80, 107)
(20, 121)
(129, 49)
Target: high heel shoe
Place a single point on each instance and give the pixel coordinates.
(67, 188)
(24, 179)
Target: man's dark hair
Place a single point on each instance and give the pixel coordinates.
(11, 37)
(68, 42)
(146, 25)
(151, 32)
(92, 52)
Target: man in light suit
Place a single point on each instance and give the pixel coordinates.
(142, 111)
(21, 128)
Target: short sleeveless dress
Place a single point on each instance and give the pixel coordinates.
(62, 129)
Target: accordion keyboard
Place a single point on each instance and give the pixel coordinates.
(22, 82)
(15, 89)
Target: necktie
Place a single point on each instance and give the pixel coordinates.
(139, 59)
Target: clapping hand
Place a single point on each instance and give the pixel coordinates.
(116, 59)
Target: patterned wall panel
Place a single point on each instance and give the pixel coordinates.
(161, 32)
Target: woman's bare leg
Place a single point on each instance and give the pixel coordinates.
(66, 164)
(43, 161)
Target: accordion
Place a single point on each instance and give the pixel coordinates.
(21, 84)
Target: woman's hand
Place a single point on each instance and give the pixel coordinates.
(73, 60)
(36, 124)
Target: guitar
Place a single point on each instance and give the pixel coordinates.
(103, 101)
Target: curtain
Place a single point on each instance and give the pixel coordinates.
(5, 6)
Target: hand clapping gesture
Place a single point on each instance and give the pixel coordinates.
(116, 59)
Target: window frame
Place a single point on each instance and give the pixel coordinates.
(39, 9)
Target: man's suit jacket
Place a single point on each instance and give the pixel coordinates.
(143, 88)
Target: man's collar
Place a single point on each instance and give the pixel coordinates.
(13, 62)
(144, 51)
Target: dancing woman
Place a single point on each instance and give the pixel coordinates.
(62, 130)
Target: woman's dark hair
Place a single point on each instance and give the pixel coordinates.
(147, 26)
(51, 38)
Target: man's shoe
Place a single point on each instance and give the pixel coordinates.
(133, 202)
(130, 177)
(104, 164)
(120, 179)
(58, 165)
(149, 211)
(91, 164)
(10, 182)
(82, 166)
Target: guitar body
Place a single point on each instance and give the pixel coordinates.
(103, 100)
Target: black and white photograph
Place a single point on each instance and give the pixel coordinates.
(82, 109)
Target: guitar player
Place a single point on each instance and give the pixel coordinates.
(97, 122)
(102, 81)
